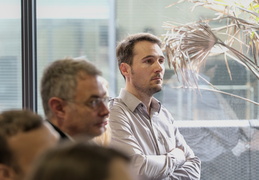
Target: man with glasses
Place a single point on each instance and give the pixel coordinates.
(74, 98)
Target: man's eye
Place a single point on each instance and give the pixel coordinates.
(93, 101)
(161, 61)
(148, 61)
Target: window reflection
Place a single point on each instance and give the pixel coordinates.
(218, 127)
(10, 55)
(73, 28)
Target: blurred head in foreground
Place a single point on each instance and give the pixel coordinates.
(81, 161)
(24, 136)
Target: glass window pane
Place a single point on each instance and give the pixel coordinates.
(219, 127)
(211, 122)
(10, 55)
(72, 28)
(193, 104)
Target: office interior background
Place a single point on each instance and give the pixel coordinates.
(35, 32)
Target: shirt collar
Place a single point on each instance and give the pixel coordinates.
(132, 101)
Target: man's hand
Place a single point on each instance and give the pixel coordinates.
(254, 143)
(179, 156)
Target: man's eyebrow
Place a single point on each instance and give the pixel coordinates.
(94, 96)
(152, 56)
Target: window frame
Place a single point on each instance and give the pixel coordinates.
(29, 55)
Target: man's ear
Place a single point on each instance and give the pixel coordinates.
(57, 107)
(6, 172)
(125, 69)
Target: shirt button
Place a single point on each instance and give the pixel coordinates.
(159, 139)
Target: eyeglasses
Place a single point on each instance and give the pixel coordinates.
(94, 103)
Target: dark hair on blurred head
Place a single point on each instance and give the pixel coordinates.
(80, 161)
(13, 122)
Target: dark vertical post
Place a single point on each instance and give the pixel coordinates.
(29, 65)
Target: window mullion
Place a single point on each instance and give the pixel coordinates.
(29, 70)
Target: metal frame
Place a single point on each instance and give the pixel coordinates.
(29, 57)
(112, 46)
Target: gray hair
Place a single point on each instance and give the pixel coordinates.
(60, 79)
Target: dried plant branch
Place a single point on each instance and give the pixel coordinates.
(222, 92)
(188, 46)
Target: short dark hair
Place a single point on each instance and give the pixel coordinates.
(124, 50)
(13, 122)
(78, 160)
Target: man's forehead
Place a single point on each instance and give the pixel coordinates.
(38, 135)
(146, 45)
(28, 146)
(98, 87)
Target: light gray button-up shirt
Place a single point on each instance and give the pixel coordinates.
(149, 139)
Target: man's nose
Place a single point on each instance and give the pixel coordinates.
(104, 110)
(159, 66)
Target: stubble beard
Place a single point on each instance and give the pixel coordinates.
(149, 91)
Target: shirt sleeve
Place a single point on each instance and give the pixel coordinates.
(191, 168)
(150, 166)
